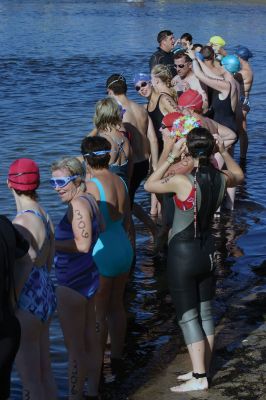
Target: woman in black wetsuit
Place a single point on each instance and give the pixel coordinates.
(191, 248)
(12, 247)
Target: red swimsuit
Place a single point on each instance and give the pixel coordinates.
(186, 204)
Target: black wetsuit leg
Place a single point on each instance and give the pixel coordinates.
(10, 333)
(140, 171)
(191, 282)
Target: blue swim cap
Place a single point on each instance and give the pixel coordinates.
(231, 63)
(177, 49)
(141, 77)
(199, 55)
(243, 52)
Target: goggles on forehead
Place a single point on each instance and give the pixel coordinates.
(62, 181)
(97, 153)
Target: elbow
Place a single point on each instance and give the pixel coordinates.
(83, 247)
(146, 187)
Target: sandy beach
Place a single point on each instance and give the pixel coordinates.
(239, 366)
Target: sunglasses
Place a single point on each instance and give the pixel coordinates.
(62, 181)
(180, 65)
(143, 84)
(165, 126)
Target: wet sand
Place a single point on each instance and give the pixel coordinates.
(239, 365)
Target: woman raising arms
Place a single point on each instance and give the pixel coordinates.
(191, 249)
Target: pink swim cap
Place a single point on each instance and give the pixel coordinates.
(24, 175)
(191, 99)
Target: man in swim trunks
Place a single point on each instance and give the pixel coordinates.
(245, 78)
(164, 54)
(135, 121)
(183, 66)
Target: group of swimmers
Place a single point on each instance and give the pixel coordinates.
(184, 136)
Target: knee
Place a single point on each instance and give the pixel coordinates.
(206, 317)
(191, 327)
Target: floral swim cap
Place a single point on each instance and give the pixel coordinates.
(183, 125)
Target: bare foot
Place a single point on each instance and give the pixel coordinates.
(191, 385)
(185, 377)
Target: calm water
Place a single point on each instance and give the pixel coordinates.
(55, 58)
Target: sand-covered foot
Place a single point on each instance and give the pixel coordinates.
(185, 377)
(191, 385)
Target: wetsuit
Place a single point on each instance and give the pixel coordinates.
(38, 294)
(222, 110)
(191, 255)
(140, 171)
(162, 57)
(77, 271)
(113, 253)
(12, 247)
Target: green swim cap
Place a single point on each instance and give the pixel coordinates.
(217, 40)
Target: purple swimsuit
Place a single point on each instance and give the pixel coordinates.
(77, 270)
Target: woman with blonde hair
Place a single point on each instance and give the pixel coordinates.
(77, 276)
(162, 102)
(108, 122)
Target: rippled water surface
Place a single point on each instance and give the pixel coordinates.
(54, 59)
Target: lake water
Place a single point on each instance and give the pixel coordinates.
(55, 59)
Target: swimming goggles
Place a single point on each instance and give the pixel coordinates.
(62, 181)
(97, 153)
(180, 65)
(138, 87)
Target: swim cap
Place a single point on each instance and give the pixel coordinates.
(177, 49)
(170, 118)
(191, 99)
(24, 175)
(199, 56)
(217, 40)
(141, 77)
(231, 63)
(243, 52)
(181, 124)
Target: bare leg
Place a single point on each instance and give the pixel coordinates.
(50, 390)
(117, 319)
(72, 315)
(103, 297)
(28, 357)
(230, 198)
(155, 206)
(197, 354)
(94, 351)
(243, 136)
(144, 217)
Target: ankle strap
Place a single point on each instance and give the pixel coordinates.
(197, 376)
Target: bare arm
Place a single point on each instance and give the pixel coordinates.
(168, 104)
(22, 269)
(234, 174)
(80, 215)
(50, 258)
(153, 144)
(93, 132)
(156, 183)
(216, 82)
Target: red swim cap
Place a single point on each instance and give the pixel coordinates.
(24, 175)
(191, 99)
(170, 118)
